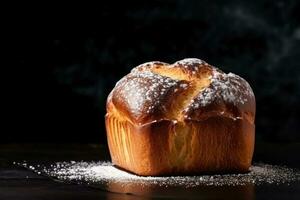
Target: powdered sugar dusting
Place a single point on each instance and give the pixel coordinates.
(190, 61)
(140, 88)
(224, 87)
(147, 66)
(144, 90)
(98, 172)
(192, 65)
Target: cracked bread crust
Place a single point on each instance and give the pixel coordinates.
(189, 89)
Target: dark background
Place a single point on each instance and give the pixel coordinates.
(63, 61)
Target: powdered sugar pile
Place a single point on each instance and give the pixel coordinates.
(103, 172)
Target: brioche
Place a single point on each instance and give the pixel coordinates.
(178, 119)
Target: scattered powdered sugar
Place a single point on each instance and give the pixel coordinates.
(190, 61)
(192, 65)
(148, 66)
(102, 172)
(184, 85)
(144, 91)
(140, 88)
(224, 87)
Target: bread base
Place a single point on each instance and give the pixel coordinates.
(215, 145)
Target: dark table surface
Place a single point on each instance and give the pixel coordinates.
(19, 183)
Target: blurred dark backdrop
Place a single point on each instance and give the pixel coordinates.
(64, 61)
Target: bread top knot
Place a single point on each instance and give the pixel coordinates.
(189, 89)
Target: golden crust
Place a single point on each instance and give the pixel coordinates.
(184, 118)
(218, 144)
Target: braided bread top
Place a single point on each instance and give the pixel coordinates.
(189, 89)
